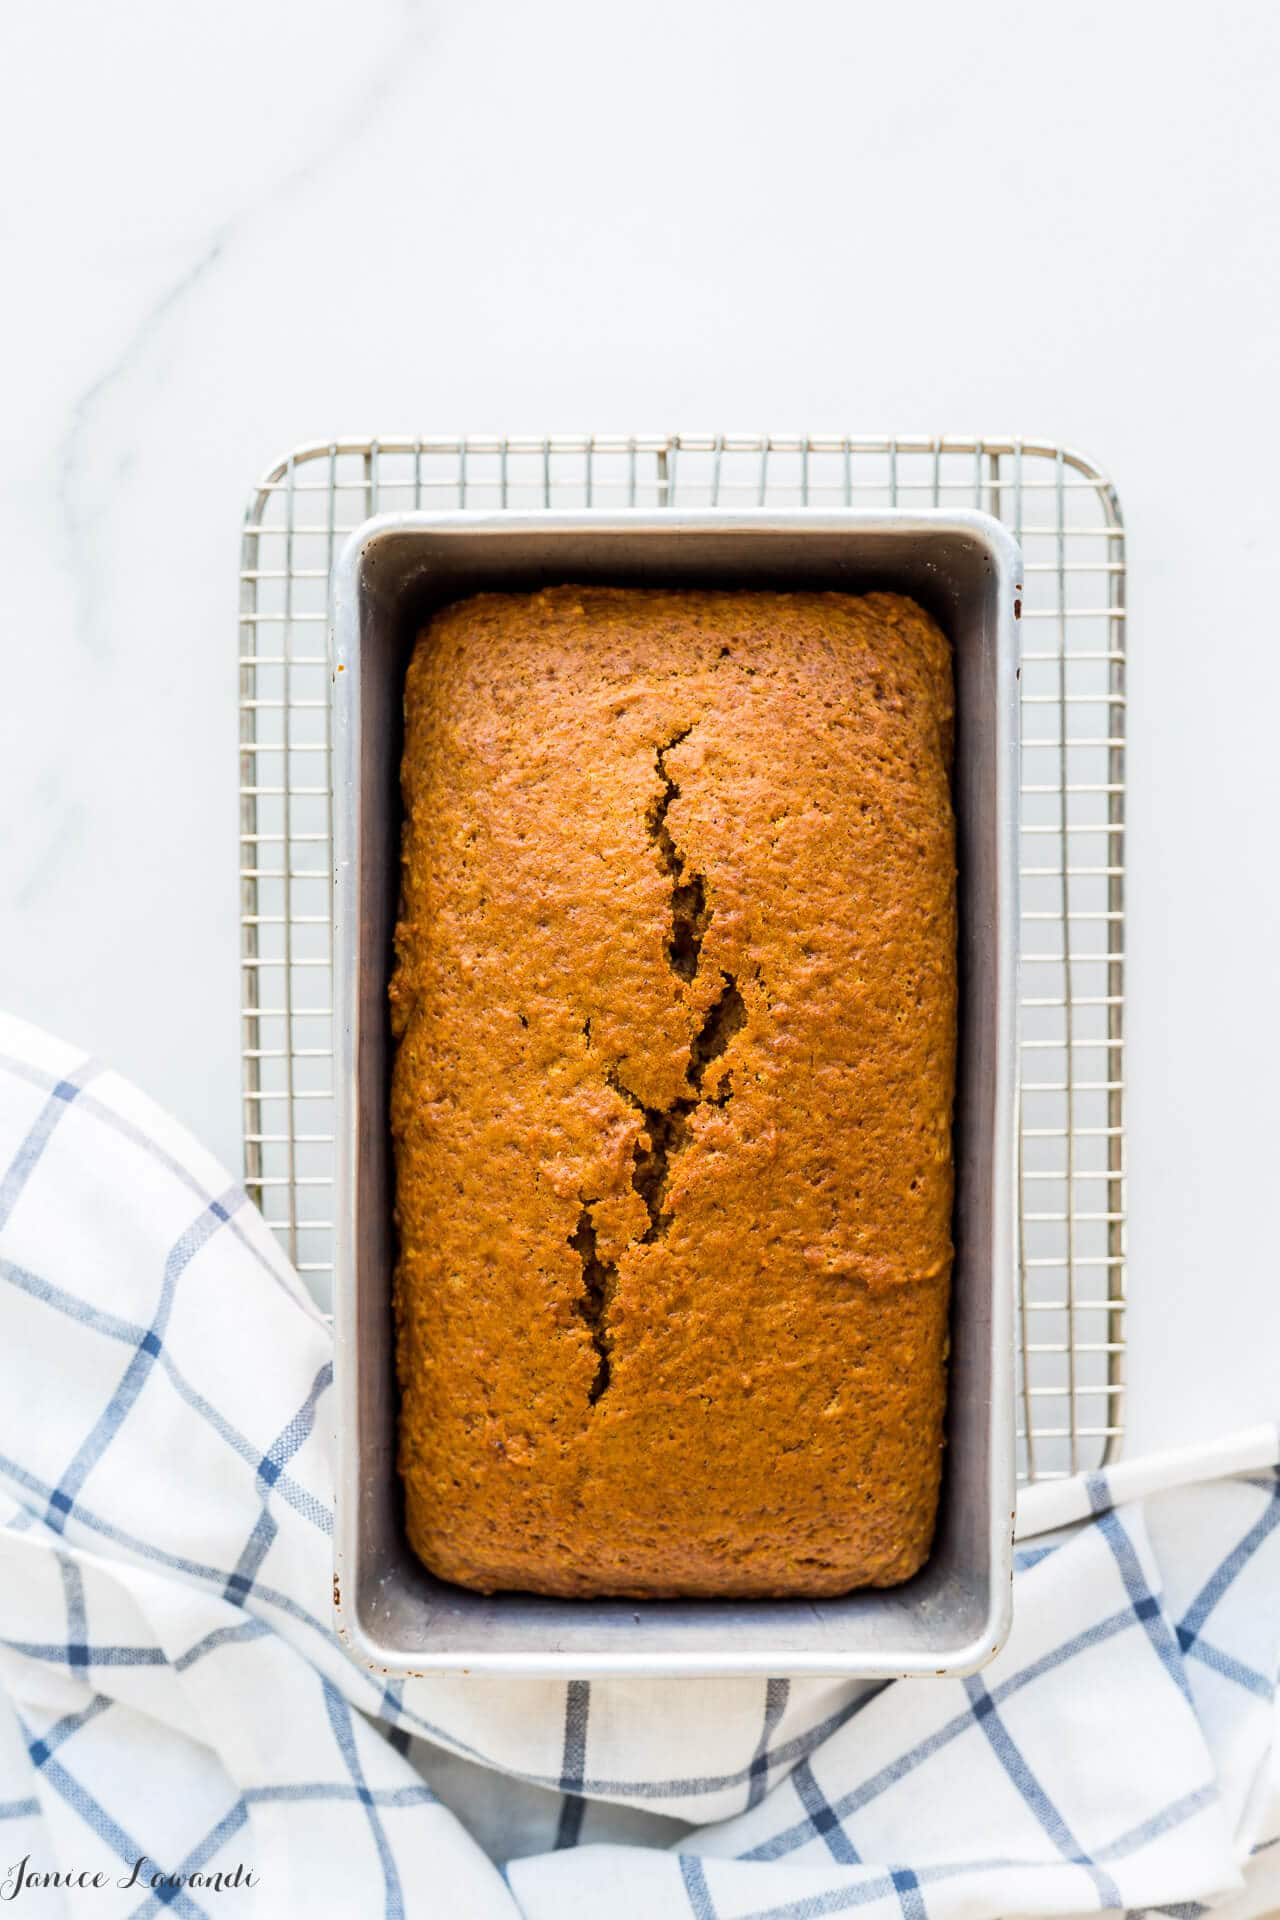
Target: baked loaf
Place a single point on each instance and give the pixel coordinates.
(675, 1003)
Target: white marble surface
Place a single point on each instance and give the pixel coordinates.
(231, 228)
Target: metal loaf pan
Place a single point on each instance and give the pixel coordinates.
(953, 1615)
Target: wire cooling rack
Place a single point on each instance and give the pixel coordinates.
(1067, 519)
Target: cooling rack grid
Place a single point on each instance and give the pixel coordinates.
(1066, 516)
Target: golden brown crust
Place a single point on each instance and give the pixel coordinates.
(675, 1005)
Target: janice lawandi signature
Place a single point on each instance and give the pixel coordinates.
(22, 1877)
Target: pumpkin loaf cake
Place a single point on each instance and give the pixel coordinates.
(675, 1004)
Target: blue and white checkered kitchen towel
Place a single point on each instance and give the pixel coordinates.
(178, 1722)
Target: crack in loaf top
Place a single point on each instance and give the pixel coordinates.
(675, 1003)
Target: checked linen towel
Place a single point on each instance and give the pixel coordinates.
(177, 1718)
